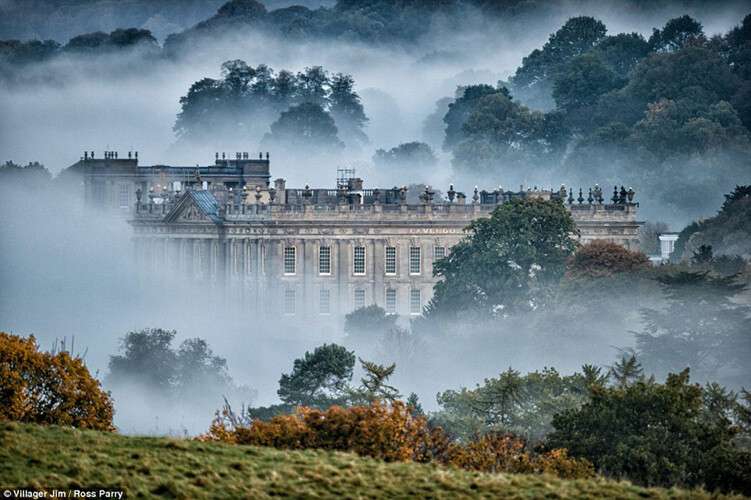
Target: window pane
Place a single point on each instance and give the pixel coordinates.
(415, 303)
(414, 260)
(289, 302)
(358, 263)
(359, 299)
(290, 260)
(324, 260)
(324, 302)
(390, 260)
(439, 253)
(124, 196)
(390, 301)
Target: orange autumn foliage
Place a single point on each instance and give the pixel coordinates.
(390, 432)
(49, 388)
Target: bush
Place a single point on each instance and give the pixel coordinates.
(604, 258)
(49, 388)
(391, 432)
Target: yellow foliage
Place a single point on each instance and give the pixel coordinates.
(49, 388)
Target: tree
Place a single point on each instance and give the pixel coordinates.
(148, 359)
(524, 405)
(346, 109)
(313, 83)
(604, 258)
(578, 88)
(502, 132)
(408, 155)
(373, 386)
(728, 232)
(533, 80)
(307, 127)
(319, 379)
(627, 371)
(459, 111)
(621, 52)
(46, 388)
(507, 261)
(585, 79)
(190, 371)
(700, 326)
(368, 322)
(653, 435)
(676, 33)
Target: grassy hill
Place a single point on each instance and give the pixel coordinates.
(55, 457)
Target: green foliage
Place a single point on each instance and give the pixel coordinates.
(700, 325)
(408, 155)
(115, 40)
(728, 232)
(373, 386)
(319, 379)
(654, 434)
(676, 33)
(508, 261)
(306, 127)
(317, 106)
(32, 176)
(627, 371)
(502, 132)
(534, 78)
(461, 108)
(369, 322)
(151, 363)
(524, 405)
(585, 79)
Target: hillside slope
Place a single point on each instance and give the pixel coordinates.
(55, 457)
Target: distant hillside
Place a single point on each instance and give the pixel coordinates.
(37, 457)
(63, 19)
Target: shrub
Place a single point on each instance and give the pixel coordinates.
(391, 432)
(604, 258)
(49, 388)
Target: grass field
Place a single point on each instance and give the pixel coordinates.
(45, 458)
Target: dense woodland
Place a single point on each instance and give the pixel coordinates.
(668, 114)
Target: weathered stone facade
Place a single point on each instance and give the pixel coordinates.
(318, 253)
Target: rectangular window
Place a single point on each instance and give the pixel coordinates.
(289, 302)
(263, 260)
(324, 302)
(415, 302)
(391, 301)
(358, 262)
(439, 253)
(199, 256)
(235, 259)
(390, 267)
(414, 260)
(248, 261)
(124, 196)
(324, 261)
(98, 193)
(359, 299)
(290, 261)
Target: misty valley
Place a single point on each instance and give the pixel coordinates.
(362, 248)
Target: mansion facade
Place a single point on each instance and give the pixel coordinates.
(310, 253)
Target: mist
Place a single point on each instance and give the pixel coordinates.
(69, 272)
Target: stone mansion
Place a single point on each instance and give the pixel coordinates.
(309, 252)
